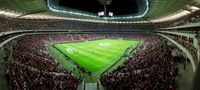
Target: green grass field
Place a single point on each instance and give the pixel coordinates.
(96, 55)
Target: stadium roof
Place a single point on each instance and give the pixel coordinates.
(153, 11)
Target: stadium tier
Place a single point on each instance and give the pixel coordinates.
(91, 58)
(99, 45)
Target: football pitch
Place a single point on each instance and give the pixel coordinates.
(96, 55)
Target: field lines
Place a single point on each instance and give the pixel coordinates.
(96, 51)
(97, 55)
(80, 58)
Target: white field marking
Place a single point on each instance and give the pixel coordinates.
(70, 50)
(104, 44)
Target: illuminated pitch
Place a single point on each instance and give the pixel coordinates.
(96, 55)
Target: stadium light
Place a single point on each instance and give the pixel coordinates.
(57, 9)
(193, 8)
(11, 14)
(110, 14)
(174, 16)
(131, 17)
(101, 13)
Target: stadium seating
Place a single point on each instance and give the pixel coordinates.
(23, 6)
(165, 57)
(31, 66)
(15, 24)
(194, 18)
(152, 67)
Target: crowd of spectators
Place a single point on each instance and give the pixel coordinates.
(22, 77)
(151, 68)
(17, 24)
(31, 66)
(186, 42)
(194, 18)
(136, 36)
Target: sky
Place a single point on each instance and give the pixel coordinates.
(118, 7)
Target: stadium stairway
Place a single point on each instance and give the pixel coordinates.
(4, 83)
(90, 86)
(81, 86)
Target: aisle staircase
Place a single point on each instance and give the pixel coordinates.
(90, 86)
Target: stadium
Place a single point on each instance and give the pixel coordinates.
(99, 44)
